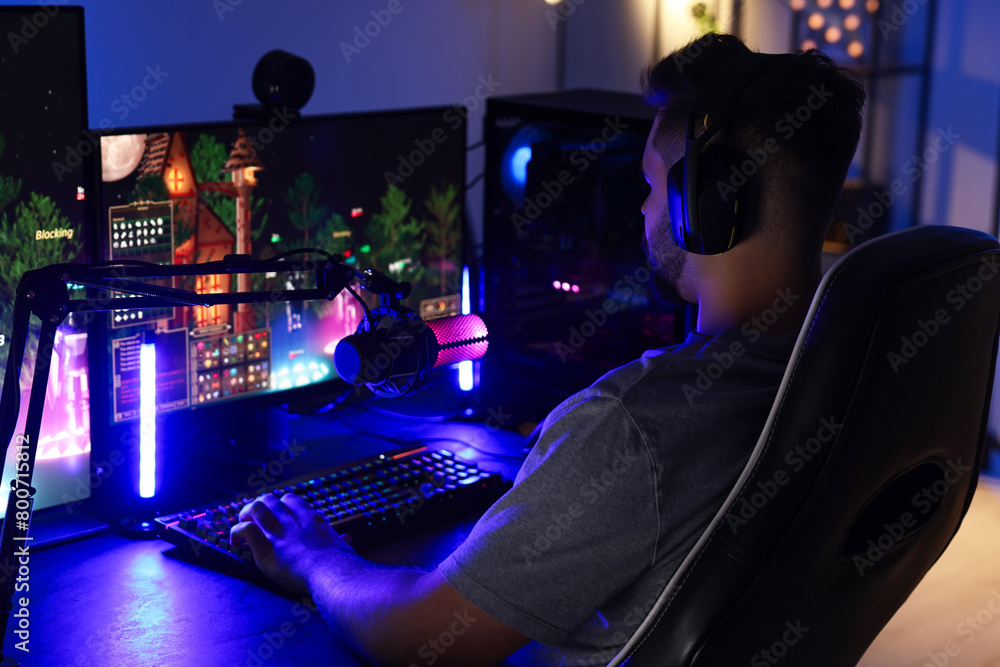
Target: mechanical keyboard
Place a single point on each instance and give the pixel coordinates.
(375, 500)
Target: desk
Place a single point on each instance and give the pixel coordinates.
(111, 602)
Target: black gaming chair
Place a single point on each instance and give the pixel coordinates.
(863, 472)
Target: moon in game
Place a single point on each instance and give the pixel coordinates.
(120, 155)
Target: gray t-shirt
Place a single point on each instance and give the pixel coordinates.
(624, 478)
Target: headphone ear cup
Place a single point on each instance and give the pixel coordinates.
(679, 226)
(722, 206)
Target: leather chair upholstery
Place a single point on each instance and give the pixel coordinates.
(863, 473)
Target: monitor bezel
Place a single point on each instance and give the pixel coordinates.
(76, 15)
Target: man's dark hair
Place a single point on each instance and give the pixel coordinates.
(802, 178)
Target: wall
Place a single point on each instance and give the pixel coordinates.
(960, 186)
(610, 42)
(204, 51)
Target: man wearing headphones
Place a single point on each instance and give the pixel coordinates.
(745, 163)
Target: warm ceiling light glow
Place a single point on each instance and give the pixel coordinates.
(798, 5)
(852, 21)
(824, 4)
(816, 21)
(871, 6)
(553, 2)
(809, 44)
(832, 34)
(855, 49)
(846, 4)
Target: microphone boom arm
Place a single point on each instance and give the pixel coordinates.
(45, 292)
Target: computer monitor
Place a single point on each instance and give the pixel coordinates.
(43, 113)
(385, 190)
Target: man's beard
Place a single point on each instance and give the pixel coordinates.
(666, 261)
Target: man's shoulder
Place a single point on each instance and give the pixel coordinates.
(699, 363)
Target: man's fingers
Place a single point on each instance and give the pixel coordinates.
(262, 514)
(250, 533)
(300, 509)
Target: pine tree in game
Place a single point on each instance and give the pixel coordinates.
(444, 233)
(396, 237)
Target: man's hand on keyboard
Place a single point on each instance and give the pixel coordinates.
(288, 539)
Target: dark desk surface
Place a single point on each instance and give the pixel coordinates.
(110, 601)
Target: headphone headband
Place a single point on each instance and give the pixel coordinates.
(726, 83)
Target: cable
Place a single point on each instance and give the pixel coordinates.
(339, 402)
(303, 251)
(475, 180)
(474, 146)
(332, 258)
(368, 313)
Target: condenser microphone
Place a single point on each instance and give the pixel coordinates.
(393, 351)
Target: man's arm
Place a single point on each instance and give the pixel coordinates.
(392, 616)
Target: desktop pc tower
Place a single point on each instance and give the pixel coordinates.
(566, 286)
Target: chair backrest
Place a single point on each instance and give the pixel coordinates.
(865, 468)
